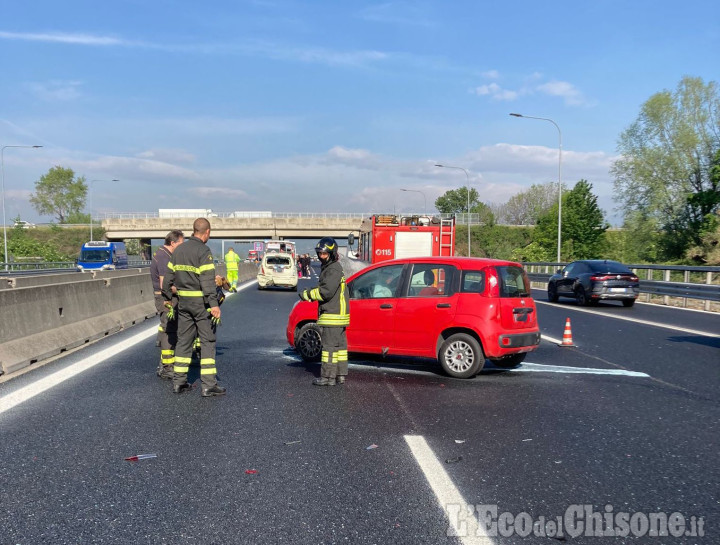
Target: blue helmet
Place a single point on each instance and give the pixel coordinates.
(327, 244)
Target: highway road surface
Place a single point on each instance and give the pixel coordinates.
(617, 436)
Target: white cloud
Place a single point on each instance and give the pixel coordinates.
(56, 90)
(68, 38)
(563, 89)
(399, 13)
(496, 92)
(168, 155)
(491, 74)
(221, 192)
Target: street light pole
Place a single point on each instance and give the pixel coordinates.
(90, 203)
(467, 176)
(421, 193)
(2, 177)
(559, 177)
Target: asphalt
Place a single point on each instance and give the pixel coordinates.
(280, 461)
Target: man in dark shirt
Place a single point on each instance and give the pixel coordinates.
(167, 331)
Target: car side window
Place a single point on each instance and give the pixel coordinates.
(473, 282)
(379, 283)
(570, 269)
(430, 280)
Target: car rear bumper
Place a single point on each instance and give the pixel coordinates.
(519, 340)
(607, 293)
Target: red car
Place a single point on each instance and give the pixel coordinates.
(457, 310)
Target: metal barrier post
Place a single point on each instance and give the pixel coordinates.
(649, 277)
(708, 281)
(666, 298)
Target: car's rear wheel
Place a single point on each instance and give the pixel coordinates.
(628, 302)
(461, 356)
(581, 297)
(508, 362)
(308, 342)
(552, 293)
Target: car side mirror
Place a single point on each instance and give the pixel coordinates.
(559, 271)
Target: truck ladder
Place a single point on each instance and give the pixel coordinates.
(447, 248)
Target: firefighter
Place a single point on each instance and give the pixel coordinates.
(167, 330)
(231, 264)
(333, 313)
(192, 271)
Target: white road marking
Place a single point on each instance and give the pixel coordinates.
(539, 368)
(638, 321)
(468, 531)
(525, 367)
(31, 390)
(550, 339)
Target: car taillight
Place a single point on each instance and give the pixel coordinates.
(634, 278)
(600, 278)
(493, 282)
(262, 270)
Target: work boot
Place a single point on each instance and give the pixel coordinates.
(180, 388)
(213, 391)
(166, 372)
(324, 381)
(340, 379)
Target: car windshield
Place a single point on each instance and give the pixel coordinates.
(513, 282)
(277, 260)
(609, 267)
(95, 256)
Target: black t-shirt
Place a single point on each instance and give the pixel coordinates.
(159, 266)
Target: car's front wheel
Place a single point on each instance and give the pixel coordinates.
(308, 342)
(552, 293)
(461, 356)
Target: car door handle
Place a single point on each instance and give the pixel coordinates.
(386, 305)
(443, 305)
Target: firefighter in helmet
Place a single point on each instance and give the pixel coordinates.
(333, 313)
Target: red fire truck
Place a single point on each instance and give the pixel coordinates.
(384, 237)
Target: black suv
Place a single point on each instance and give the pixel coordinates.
(591, 280)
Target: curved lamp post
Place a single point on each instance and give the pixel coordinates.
(467, 176)
(559, 176)
(2, 176)
(90, 203)
(421, 193)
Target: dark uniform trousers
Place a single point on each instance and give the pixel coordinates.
(194, 321)
(167, 332)
(334, 355)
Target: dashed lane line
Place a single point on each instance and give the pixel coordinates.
(468, 530)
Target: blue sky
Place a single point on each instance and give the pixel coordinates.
(331, 106)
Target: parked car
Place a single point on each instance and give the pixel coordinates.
(24, 224)
(459, 311)
(591, 280)
(277, 269)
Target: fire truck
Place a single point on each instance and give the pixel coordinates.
(384, 237)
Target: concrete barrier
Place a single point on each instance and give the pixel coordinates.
(42, 316)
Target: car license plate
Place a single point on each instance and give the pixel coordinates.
(618, 290)
(279, 268)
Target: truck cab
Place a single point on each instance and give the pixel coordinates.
(100, 255)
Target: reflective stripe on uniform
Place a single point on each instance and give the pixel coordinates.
(189, 293)
(315, 294)
(334, 319)
(342, 355)
(208, 371)
(343, 306)
(190, 268)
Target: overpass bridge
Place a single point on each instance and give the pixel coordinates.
(278, 226)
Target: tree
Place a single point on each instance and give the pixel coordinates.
(58, 193)
(455, 201)
(669, 154)
(526, 207)
(583, 225)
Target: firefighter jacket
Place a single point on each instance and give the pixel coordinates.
(331, 295)
(192, 271)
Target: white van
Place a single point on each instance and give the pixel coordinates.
(278, 269)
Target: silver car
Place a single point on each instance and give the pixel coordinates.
(278, 269)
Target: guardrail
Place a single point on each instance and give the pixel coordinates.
(55, 266)
(707, 290)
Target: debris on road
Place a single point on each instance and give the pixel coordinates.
(371, 447)
(453, 460)
(251, 471)
(140, 457)
(459, 441)
(292, 442)
(527, 440)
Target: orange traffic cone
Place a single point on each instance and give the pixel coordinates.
(567, 334)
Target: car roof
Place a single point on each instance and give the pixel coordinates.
(462, 263)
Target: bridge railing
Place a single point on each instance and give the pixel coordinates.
(56, 266)
(667, 281)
